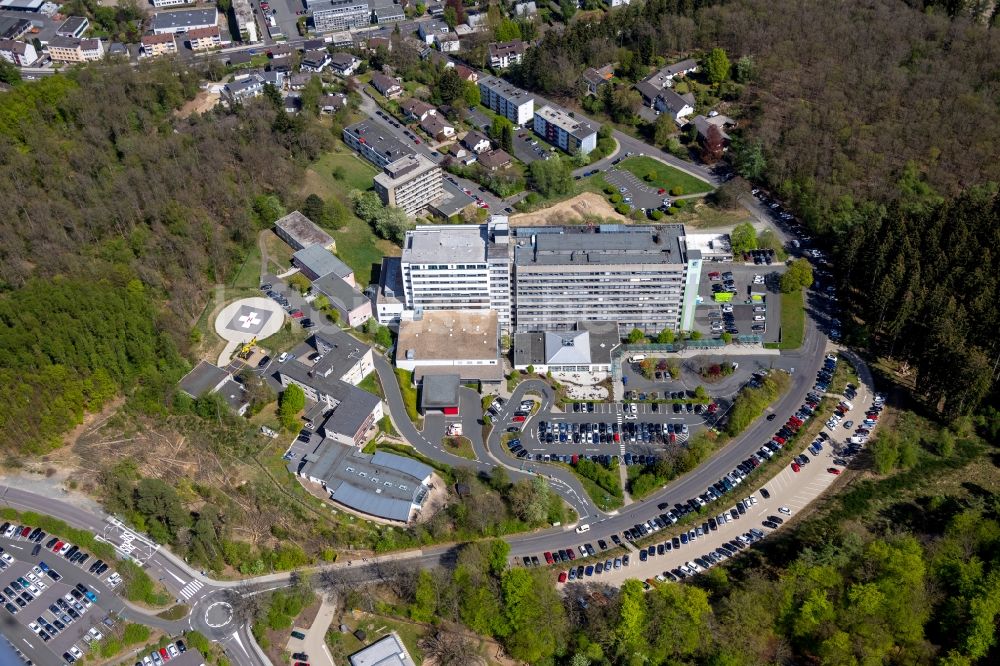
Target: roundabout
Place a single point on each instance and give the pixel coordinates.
(214, 615)
(244, 320)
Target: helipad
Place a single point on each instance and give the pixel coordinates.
(245, 319)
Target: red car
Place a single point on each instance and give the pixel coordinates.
(297, 314)
(519, 419)
(779, 440)
(548, 557)
(25, 532)
(795, 467)
(713, 407)
(55, 548)
(833, 470)
(164, 655)
(660, 191)
(562, 576)
(416, 141)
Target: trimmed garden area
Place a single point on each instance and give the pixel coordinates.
(793, 322)
(459, 446)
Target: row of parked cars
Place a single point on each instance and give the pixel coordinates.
(610, 433)
(163, 655)
(280, 299)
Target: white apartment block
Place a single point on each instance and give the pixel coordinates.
(458, 267)
(339, 15)
(70, 49)
(509, 101)
(21, 54)
(561, 129)
(410, 183)
(158, 45)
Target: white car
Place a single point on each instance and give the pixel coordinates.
(95, 634)
(75, 651)
(7, 558)
(282, 357)
(630, 417)
(66, 546)
(37, 571)
(32, 577)
(759, 318)
(785, 510)
(692, 566)
(34, 627)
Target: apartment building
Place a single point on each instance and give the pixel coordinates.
(21, 54)
(411, 183)
(203, 39)
(70, 49)
(339, 15)
(509, 101)
(458, 267)
(639, 276)
(564, 131)
(164, 23)
(375, 143)
(158, 45)
(245, 21)
(504, 54)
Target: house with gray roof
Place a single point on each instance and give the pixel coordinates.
(316, 261)
(353, 307)
(387, 651)
(585, 348)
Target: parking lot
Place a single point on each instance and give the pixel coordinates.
(53, 606)
(528, 147)
(636, 192)
(742, 316)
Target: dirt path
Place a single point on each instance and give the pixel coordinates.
(569, 211)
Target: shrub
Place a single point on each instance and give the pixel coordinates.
(616, 198)
(651, 176)
(658, 214)
(676, 190)
(622, 209)
(680, 203)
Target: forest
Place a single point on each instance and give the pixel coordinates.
(115, 217)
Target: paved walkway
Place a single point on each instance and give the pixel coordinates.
(314, 644)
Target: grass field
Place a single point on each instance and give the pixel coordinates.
(667, 177)
(409, 392)
(464, 448)
(248, 275)
(333, 176)
(701, 215)
(793, 322)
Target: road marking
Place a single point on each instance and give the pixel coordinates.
(29, 644)
(176, 577)
(191, 589)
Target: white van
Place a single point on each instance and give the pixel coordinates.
(582, 528)
(637, 357)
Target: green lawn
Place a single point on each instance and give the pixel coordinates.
(667, 177)
(409, 392)
(372, 385)
(464, 448)
(333, 176)
(248, 276)
(793, 322)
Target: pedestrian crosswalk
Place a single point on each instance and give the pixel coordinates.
(621, 420)
(191, 589)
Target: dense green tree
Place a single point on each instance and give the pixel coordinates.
(551, 177)
(470, 94)
(743, 237)
(293, 401)
(450, 86)
(798, 275)
(636, 336)
(717, 66)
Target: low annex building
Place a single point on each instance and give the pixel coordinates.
(387, 651)
(462, 342)
(207, 379)
(384, 486)
(587, 348)
(300, 232)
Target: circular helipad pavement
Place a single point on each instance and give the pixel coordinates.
(242, 320)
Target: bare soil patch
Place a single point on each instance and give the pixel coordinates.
(570, 211)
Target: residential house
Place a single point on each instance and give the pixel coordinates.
(448, 43)
(117, 49)
(280, 51)
(702, 124)
(158, 45)
(314, 61)
(509, 101)
(300, 80)
(467, 74)
(677, 106)
(21, 54)
(375, 43)
(593, 79)
(411, 183)
(239, 59)
(204, 39)
(495, 160)
(505, 54)
(344, 64)
(416, 110)
(387, 86)
(206, 379)
(353, 307)
(461, 154)
(525, 9)
(679, 70)
(429, 29)
(375, 143)
(332, 103)
(244, 89)
(476, 142)
(437, 127)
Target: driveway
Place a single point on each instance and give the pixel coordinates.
(314, 644)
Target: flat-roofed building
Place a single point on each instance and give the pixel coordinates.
(382, 486)
(390, 301)
(158, 45)
(387, 651)
(412, 183)
(338, 15)
(375, 143)
(204, 39)
(458, 267)
(181, 21)
(508, 100)
(245, 21)
(315, 261)
(564, 131)
(74, 26)
(640, 277)
(461, 342)
(300, 232)
(159, 4)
